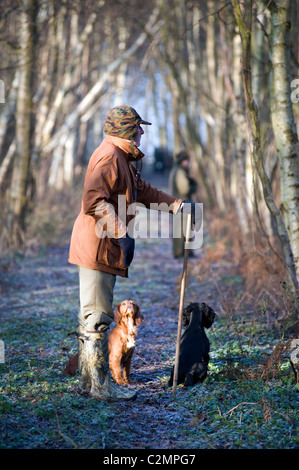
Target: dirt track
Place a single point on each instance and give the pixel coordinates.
(45, 284)
(155, 418)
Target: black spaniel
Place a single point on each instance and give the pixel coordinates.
(194, 345)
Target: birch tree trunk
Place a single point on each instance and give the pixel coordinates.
(174, 63)
(216, 90)
(17, 200)
(240, 194)
(283, 120)
(257, 150)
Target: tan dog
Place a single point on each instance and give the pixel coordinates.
(121, 342)
(127, 316)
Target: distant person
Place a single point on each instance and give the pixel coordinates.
(181, 186)
(101, 245)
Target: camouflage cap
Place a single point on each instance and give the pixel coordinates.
(181, 156)
(123, 121)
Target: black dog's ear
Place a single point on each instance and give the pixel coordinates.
(187, 314)
(186, 318)
(189, 308)
(208, 315)
(204, 307)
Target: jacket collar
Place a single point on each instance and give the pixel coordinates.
(125, 146)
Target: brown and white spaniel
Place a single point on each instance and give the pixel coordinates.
(122, 338)
(121, 342)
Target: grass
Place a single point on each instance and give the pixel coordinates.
(38, 405)
(238, 406)
(249, 400)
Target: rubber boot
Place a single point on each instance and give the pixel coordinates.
(97, 359)
(84, 378)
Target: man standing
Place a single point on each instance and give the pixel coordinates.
(101, 246)
(181, 186)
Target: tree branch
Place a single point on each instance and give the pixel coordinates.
(98, 87)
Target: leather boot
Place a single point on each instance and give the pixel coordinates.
(97, 360)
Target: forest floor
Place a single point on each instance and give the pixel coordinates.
(248, 401)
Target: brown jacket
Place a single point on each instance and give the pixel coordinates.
(110, 173)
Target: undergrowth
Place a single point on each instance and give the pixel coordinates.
(249, 400)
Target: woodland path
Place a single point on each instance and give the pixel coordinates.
(45, 284)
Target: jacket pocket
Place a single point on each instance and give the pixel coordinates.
(109, 253)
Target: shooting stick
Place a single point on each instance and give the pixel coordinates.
(183, 283)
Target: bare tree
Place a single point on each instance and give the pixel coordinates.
(61, 75)
(17, 194)
(283, 122)
(255, 137)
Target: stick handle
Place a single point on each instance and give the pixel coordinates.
(183, 284)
